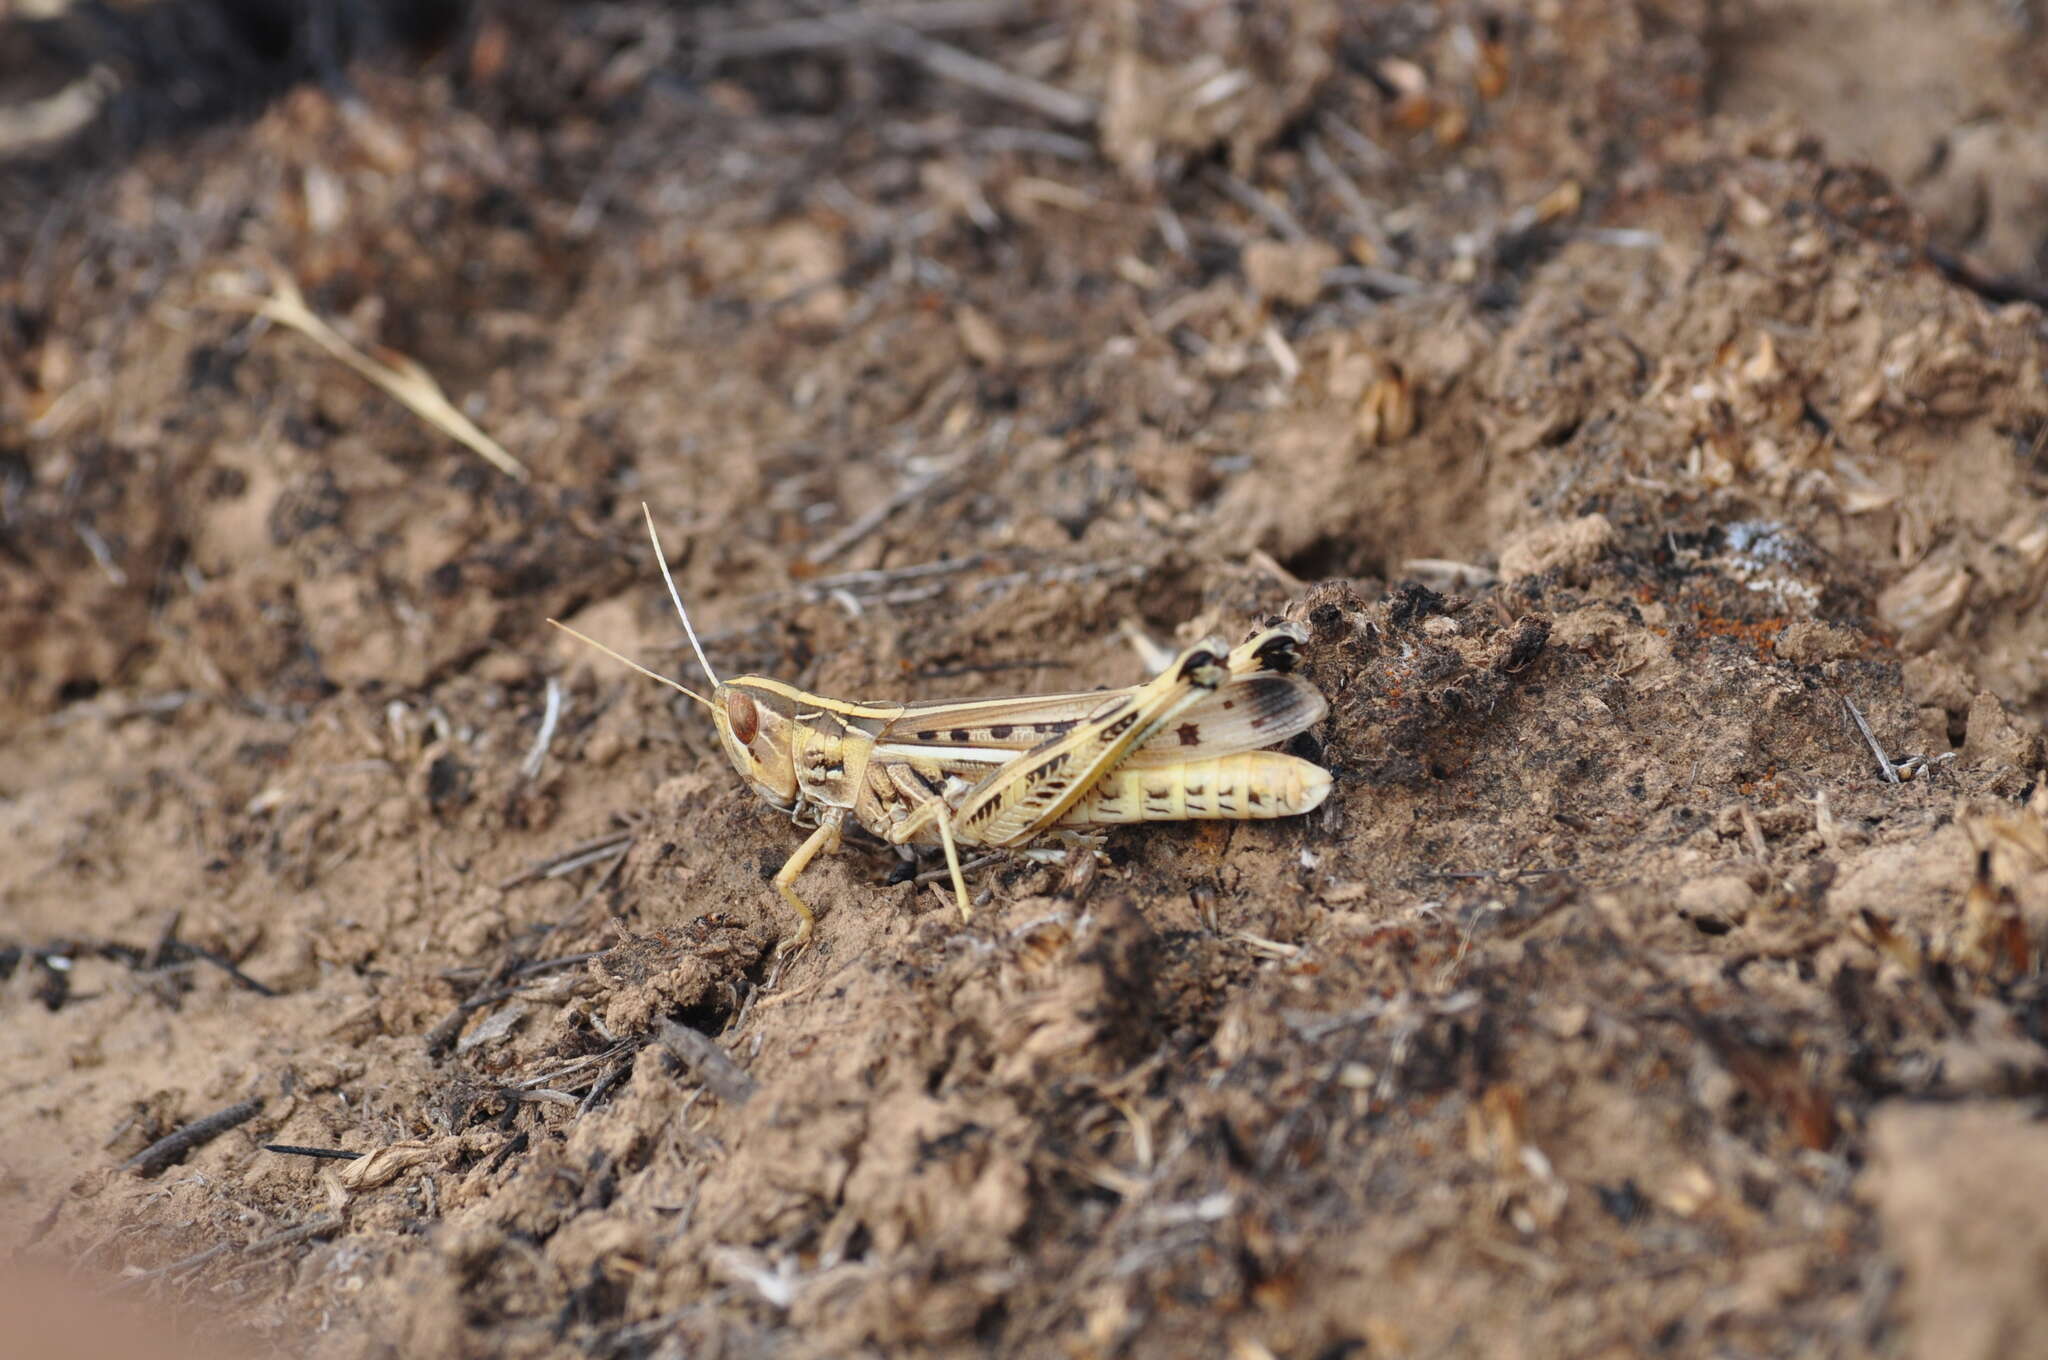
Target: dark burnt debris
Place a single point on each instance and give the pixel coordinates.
(174, 67)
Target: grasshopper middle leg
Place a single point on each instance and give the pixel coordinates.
(942, 813)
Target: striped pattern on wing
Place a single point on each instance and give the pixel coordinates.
(1034, 791)
(989, 731)
(1259, 698)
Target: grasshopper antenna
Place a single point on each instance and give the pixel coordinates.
(661, 560)
(628, 661)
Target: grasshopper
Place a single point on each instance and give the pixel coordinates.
(1005, 773)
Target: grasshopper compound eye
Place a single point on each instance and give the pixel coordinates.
(741, 713)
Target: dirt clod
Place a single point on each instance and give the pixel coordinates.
(1973, 1256)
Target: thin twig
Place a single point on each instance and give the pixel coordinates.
(579, 853)
(1884, 763)
(1358, 209)
(1071, 572)
(176, 1144)
(867, 523)
(812, 35)
(550, 715)
(236, 975)
(1445, 574)
(963, 68)
(169, 702)
(442, 1034)
(1258, 205)
(567, 1069)
(1034, 140)
(589, 894)
(602, 1087)
(294, 1150)
(318, 1225)
(438, 1039)
(545, 1096)
(877, 577)
(570, 866)
(518, 1144)
(1362, 148)
(1173, 232)
(166, 940)
(967, 866)
(1379, 280)
(1627, 238)
(712, 1065)
(566, 961)
(31, 123)
(101, 553)
(192, 1262)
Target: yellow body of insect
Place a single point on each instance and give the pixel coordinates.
(1002, 773)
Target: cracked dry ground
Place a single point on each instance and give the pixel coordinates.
(1622, 461)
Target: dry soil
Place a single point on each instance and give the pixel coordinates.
(1633, 400)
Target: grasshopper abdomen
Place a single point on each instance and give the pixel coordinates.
(1245, 786)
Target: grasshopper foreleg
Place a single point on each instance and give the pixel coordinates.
(825, 838)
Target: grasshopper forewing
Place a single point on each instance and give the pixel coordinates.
(1002, 773)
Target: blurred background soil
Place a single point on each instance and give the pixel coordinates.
(1635, 400)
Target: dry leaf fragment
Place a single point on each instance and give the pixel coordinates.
(1921, 605)
(979, 337)
(1386, 413)
(1562, 202)
(401, 378)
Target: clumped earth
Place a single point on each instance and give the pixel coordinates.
(1626, 442)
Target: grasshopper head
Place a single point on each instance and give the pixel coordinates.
(758, 728)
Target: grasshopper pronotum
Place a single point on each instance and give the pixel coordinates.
(1002, 773)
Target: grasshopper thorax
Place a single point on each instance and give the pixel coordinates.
(758, 729)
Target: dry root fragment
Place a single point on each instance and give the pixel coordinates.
(386, 1164)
